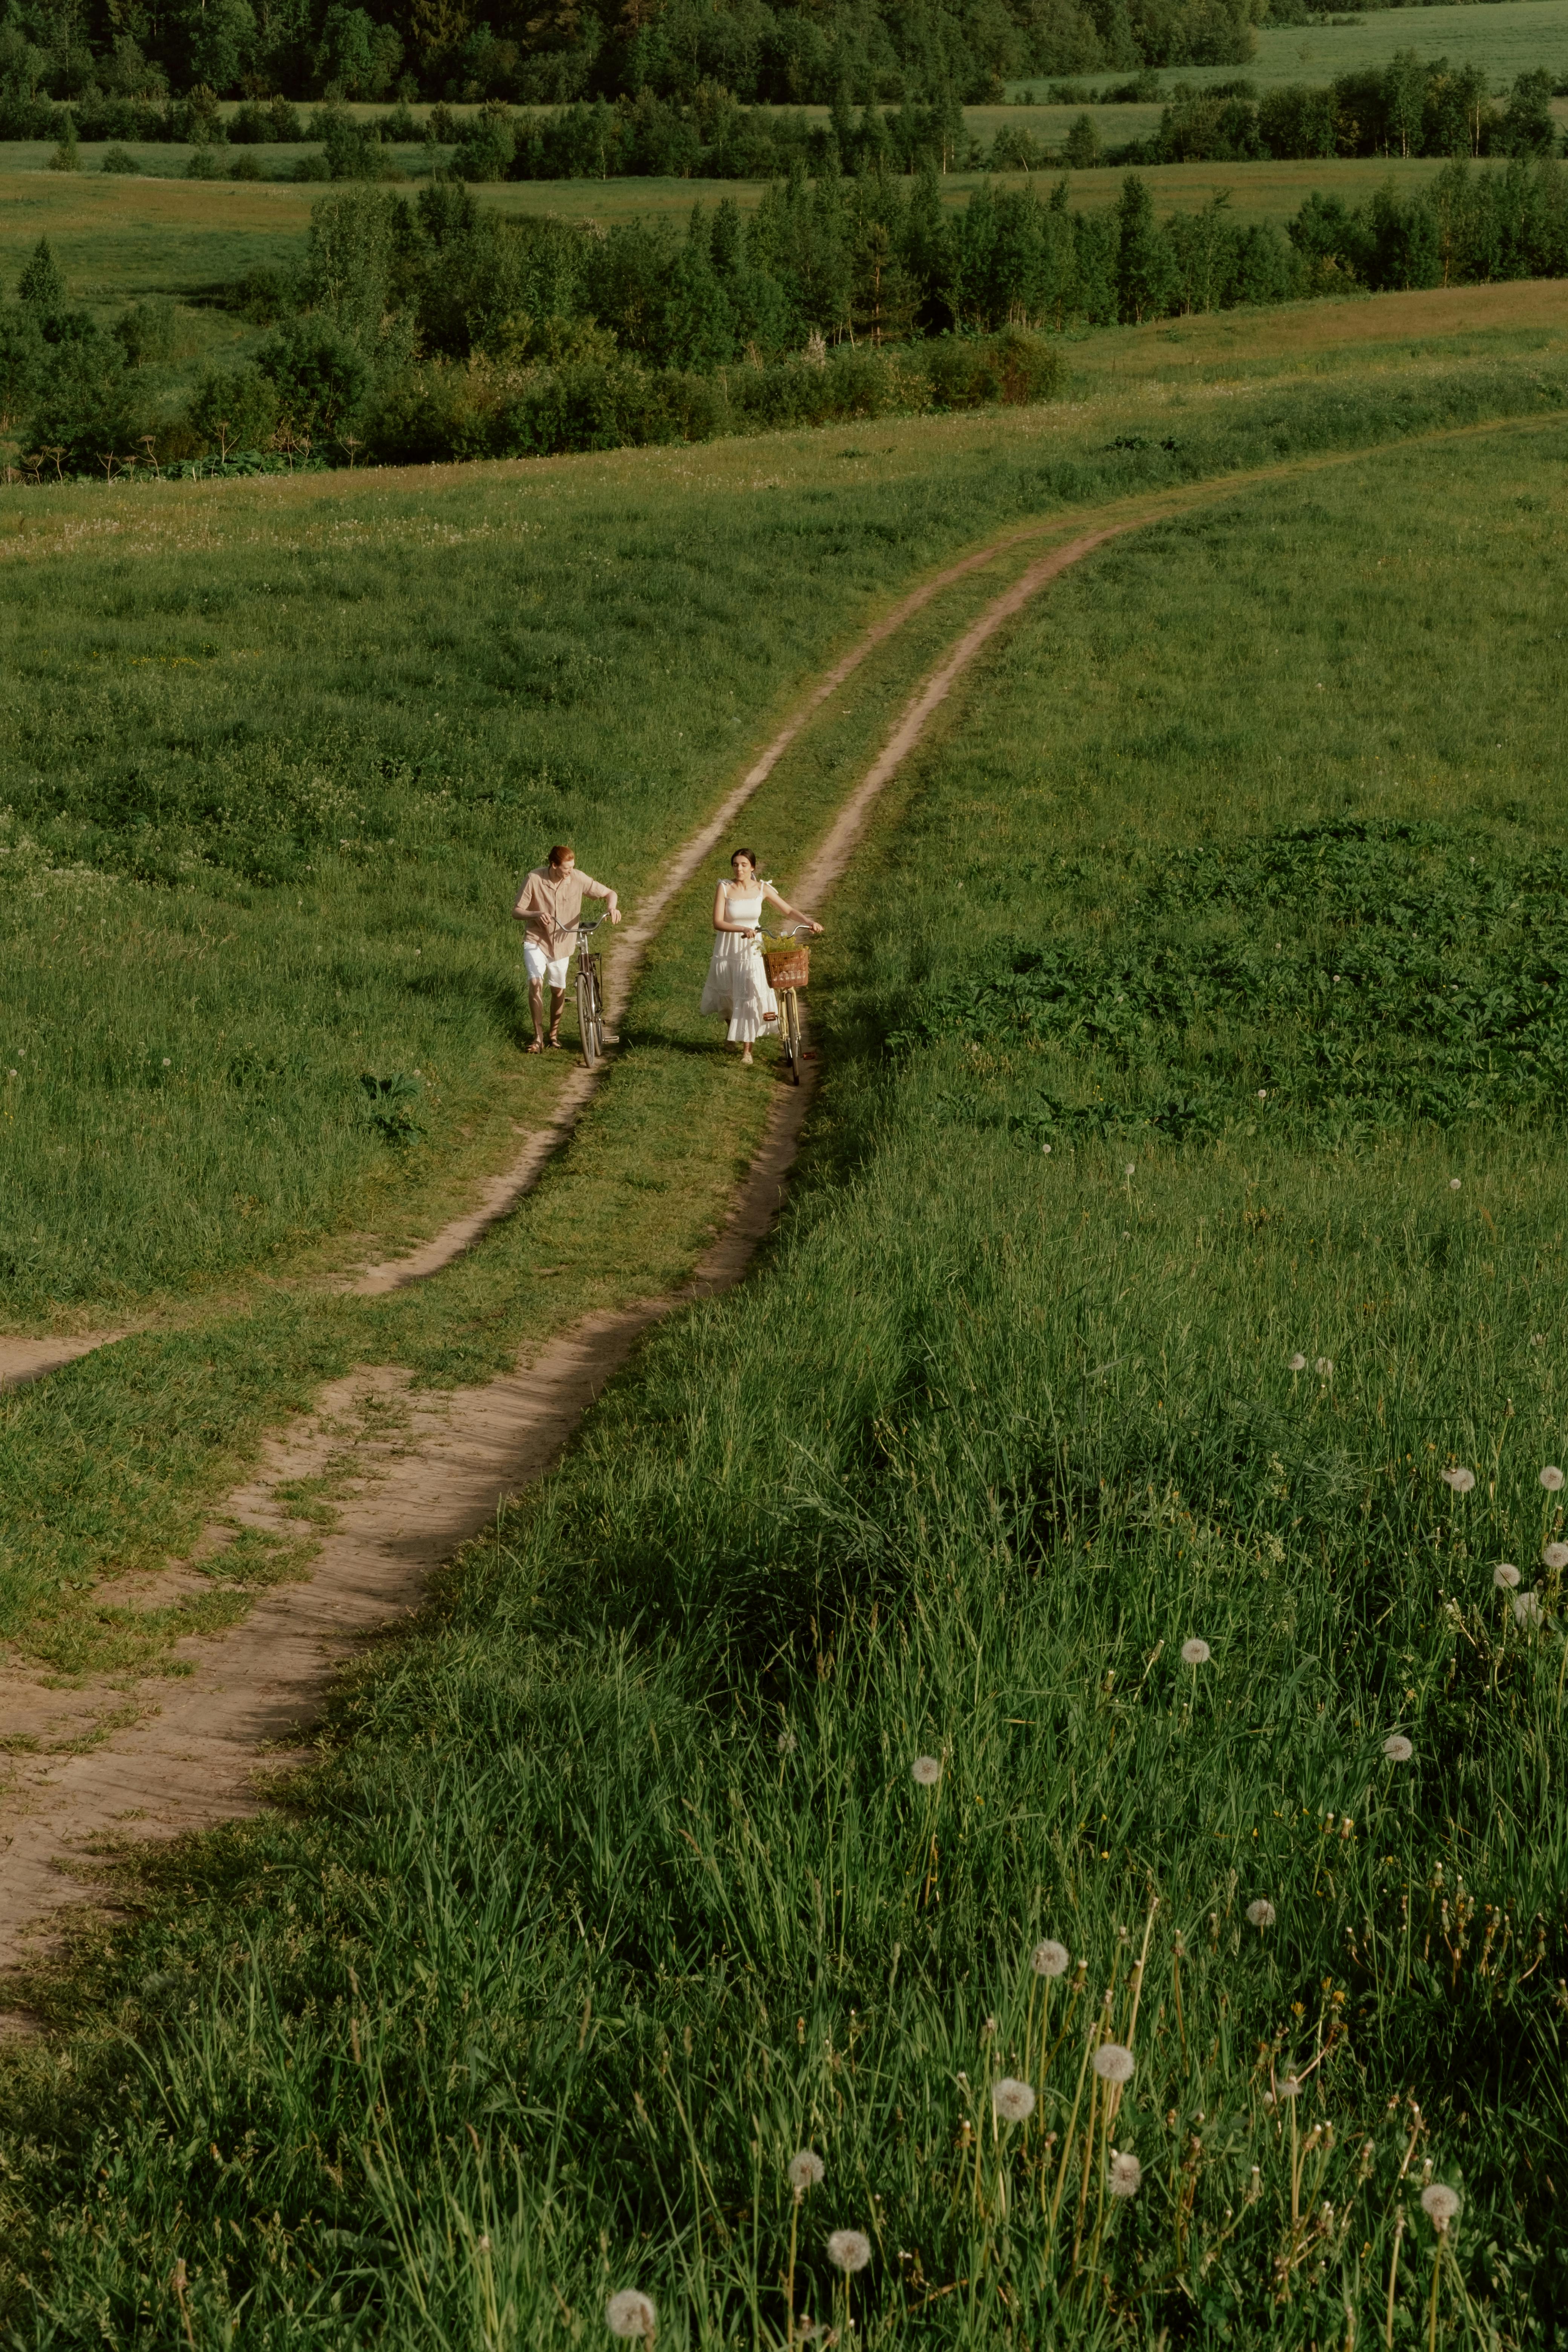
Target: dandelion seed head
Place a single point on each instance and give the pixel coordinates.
(1325, 1367)
(1195, 1652)
(1012, 2101)
(927, 1770)
(1130, 1169)
(1113, 2063)
(1440, 2204)
(1049, 1958)
(1552, 1478)
(1538, 1339)
(482, 2245)
(1460, 1479)
(1453, 1183)
(1126, 2174)
(787, 1742)
(1297, 1364)
(1554, 1554)
(848, 2250)
(167, 1064)
(1526, 1609)
(804, 2170)
(1047, 1150)
(1263, 1094)
(1291, 2088)
(1397, 1748)
(1505, 1576)
(631, 2313)
(1260, 1913)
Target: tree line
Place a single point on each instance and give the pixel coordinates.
(439, 328)
(774, 52)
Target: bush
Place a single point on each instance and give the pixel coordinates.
(147, 332)
(264, 295)
(83, 404)
(204, 164)
(118, 159)
(322, 377)
(246, 167)
(233, 409)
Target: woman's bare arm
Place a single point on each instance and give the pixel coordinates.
(784, 908)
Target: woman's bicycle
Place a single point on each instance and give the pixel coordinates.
(789, 970)
(590, 997)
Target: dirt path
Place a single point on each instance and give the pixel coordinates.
(424, 1473)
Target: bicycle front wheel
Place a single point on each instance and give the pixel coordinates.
(590, 1013)
(789, 1022)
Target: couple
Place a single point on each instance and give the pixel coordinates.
(736, 982)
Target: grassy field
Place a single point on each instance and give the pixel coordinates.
(255, 856)
(1511, 38)
(1182, 1200)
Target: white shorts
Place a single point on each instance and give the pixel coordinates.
(541, 966)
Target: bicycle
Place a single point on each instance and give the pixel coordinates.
(590, 998)
(788, 970)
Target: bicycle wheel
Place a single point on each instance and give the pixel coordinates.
(590, 1018)
(790, 1024)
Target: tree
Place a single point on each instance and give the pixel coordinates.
(41, 288)
(1528, 128)
(219, 39)
(1144, 262)
(1083, 150)
(233, 409)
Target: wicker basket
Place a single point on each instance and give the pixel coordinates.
(788, 968)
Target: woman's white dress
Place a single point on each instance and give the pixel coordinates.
(736, 982)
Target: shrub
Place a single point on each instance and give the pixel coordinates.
(264, 295)
(118, 159)
(1083, 150)
(322, 376)
(246, 167)
(204, 164)
(147, 330)
(83, 404)
(232, 409)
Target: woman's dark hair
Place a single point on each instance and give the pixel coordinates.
(749, 853)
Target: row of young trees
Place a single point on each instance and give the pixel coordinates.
(1410, 107)
(407, 320)
(782, 52)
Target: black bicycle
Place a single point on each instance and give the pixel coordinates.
(590, 997)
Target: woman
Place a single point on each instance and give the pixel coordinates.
(736, 982)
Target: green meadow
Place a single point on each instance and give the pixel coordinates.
(1055, 1609)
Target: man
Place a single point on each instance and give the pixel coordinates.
(548, 906)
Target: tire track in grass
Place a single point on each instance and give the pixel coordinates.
(463, 1454)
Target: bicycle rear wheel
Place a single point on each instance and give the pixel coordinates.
(789, 1026)
(590, 1013)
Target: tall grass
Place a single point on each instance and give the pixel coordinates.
(621, 1887)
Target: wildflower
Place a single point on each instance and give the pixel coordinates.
(1013, 2101)
(1049, 1958)
(1047, 1150)
(787, 1742)
(1554, 1554)
(1291, 2088)
(1440, 2204)
(1195, 1652)
(1325, 1367)
(1261, 1913)
(1397, 1748)
(1131, 1169)
(927, 1770)
(1453, 1183)
(167, 1064)
(1505, 1576)
(1297, 1364)
(849, 2250)
(1263, 1094)
(631, 2313)
(1552, 1478)
(1460, 1479)
(804, 2170)
(1526, 1609)
(1126, 2175)
(1112, 2063)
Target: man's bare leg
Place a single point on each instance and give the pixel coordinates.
(557, 1006)
(536, 1007)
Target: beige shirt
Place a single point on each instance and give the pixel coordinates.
(549, 905)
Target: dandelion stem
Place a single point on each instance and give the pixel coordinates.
(789, 2288)
(1437, 2274)
(1394, 2276)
